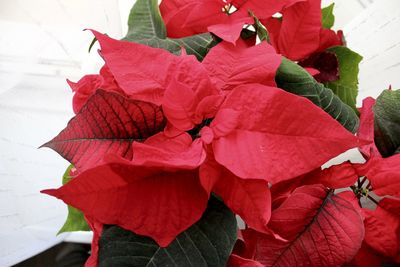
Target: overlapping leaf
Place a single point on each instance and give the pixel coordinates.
(322, 229)
(382, 227)
(294, 79)
(108, 123)
(249, 198)
(144, 72)
(224, 19)
(75, 220)
(147, 27)
(208, 243)
(149, 201)
(229, 66)
(346, 87)
(269, 138)
(387, 122)
(300, 30)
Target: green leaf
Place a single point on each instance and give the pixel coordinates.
(387, 122)
(328, 19)
(346, 88)
(261, 30)
(209, 242)
(75, 220)
(147, 27)
(294, 79)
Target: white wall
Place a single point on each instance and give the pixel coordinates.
(41, 44)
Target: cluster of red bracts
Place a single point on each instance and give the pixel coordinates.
(167, 131)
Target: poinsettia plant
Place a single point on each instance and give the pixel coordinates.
(215, 108)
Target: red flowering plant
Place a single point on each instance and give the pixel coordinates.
(207, 110)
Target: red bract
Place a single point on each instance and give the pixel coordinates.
(325, 63)
(143, 72)
(96, 228)
(366, 129)
(229, 66)
(223, 18)
(382, 235)
(159, 199)
(237, 261)
(321, 229)
(383, 173)
(108, 123)
(88, 85)
(382, 227)
(250, 198)
(300, 32)
(270, 140)
(337, 176)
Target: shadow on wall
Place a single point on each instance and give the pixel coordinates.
(62, 255)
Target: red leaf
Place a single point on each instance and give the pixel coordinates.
(153, 70)
(329, 38)
(336, 176)
(312, 71)
(366, 129)
(263, 9)
(144, 81)
(179, 105)
(184, 107)
(88, 85)
(188, 17)
(231, 27)
(83, 89)
(108, 123)
(384, 175)
(273, 26)
(97, 229)
(174, 14)
(300, 31)
(381, 228)
(177, 13)
(161, 151)
(149, 201)
(237, 261)
(279, 135)
(206, 16)
(229, 66)
(327, 65)
(322, 229)
(367, 256)
(249, 198)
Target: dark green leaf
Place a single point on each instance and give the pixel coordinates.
(75, 220)
(346, 87)
(387, 122)
(209, 242)
(328, 19)
(92, 44)
(147, 27)
(294, 79)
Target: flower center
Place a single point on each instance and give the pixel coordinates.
(229, 8)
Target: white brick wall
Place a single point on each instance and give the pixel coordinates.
(41, 44)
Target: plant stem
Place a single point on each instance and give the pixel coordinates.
(373, 200)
